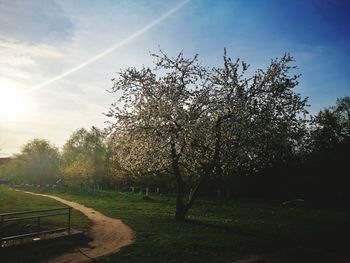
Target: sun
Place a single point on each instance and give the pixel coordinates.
(13, 102)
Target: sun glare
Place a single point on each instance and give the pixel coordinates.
(13, 102)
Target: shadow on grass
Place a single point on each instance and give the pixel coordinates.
(236, 230)
(42, 250)
(297, 246)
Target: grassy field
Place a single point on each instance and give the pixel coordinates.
(222, 231)
(217, 231)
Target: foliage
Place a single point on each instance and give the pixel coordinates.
(5, 173)
(37, 163)
(84, 158)
(320, 174)
(331, 126)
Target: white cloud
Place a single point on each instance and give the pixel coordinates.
(18, 58)
(13, 72)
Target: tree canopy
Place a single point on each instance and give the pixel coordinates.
(195, 122)
(331, 126)
(37, 163)
(84, 157)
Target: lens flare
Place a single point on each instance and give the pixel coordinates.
(13, 103)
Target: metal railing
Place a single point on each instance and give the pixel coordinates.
(35, 215)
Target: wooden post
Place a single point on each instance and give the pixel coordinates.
(1, 230)
(218, 194)
(2, 223)
(38, 226)
(69, 219)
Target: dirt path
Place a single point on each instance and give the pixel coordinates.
(108, 235)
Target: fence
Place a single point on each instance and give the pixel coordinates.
(37, 229)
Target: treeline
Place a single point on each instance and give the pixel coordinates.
(320, 173)
(85, 159)
(189, 129)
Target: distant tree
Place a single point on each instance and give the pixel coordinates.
(342, 111)
(84, 157)
(38, 162)
(4, 168)
(331, 126)
(324, 171)
(195, 123)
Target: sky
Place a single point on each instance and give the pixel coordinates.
(57, 57)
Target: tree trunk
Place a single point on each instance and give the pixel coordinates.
(181, 210)
(180, 206)
(208, 171)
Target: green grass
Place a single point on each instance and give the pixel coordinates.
(222, 231)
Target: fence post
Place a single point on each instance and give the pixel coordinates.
(38, 226)
(1, 230)
(69, 219)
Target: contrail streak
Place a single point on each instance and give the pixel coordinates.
(111, 49)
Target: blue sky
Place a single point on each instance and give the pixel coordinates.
(41, 39)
